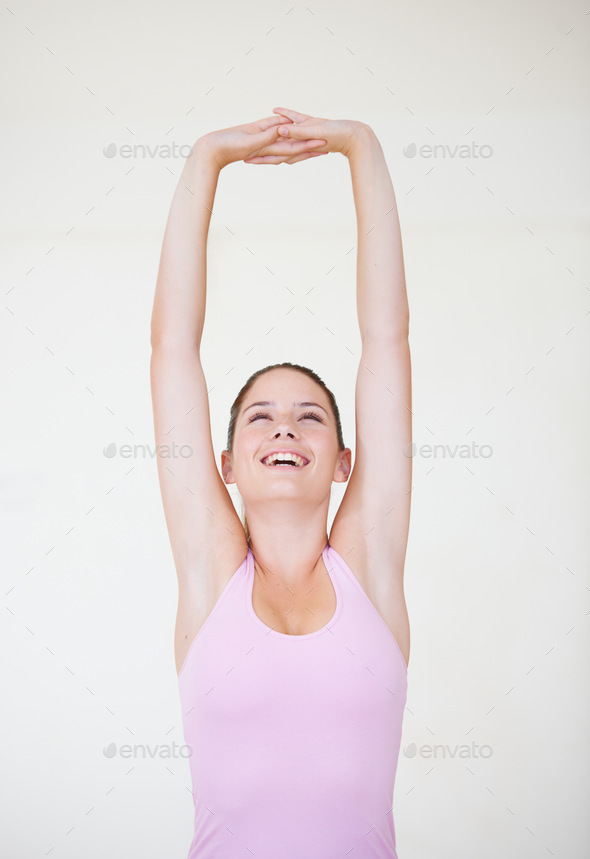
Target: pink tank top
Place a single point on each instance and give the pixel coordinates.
(295, 738)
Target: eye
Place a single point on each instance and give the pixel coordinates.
(306, 415)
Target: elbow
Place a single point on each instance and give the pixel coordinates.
(173, 345)
(398, 333)
(401, 330)
(179, 339)
(157, 339)
(156, 331)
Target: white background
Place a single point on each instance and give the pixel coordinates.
(496, 255)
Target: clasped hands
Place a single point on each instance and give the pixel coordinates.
(285, 138)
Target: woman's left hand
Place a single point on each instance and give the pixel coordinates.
(257, 139)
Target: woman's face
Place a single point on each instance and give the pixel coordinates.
(285, 410)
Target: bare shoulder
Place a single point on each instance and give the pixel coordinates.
(370, 566)
(198, 594)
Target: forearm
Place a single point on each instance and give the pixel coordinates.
(382, 302)
(178, 312)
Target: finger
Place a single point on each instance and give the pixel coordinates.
(296, 147)
(304, 156)
(299, 132)
(292, 147)
(292, 114)
(268, 122)
(274, 159)
(265, 159)
(307, 146)
(282, 115)
(265, 138)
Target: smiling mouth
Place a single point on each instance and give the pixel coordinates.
(298, 463)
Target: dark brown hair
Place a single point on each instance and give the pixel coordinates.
(238, 402)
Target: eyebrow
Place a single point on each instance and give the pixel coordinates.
(272, 403)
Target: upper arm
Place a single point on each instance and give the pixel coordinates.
(373, 517)
(203, 525)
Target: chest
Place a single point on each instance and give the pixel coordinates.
(295, 610)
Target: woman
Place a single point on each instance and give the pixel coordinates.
(291, 648)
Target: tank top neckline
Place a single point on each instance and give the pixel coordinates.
(283, 635)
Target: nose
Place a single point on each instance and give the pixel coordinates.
(286, 429)
(288, 432)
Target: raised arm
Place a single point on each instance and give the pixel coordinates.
(382, 301)
(378, 494)
(197, 505)
(206, 535)
(178, 312)
(372, 522)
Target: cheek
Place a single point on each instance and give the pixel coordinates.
(250, 443)
(325, 452)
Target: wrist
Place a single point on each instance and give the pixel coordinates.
(362, 137)
(203, 150)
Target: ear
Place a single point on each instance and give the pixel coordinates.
(226, 467)
(343, 466)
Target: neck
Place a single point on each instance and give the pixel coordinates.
(286, 546)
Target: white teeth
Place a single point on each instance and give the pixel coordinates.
(284, 457)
